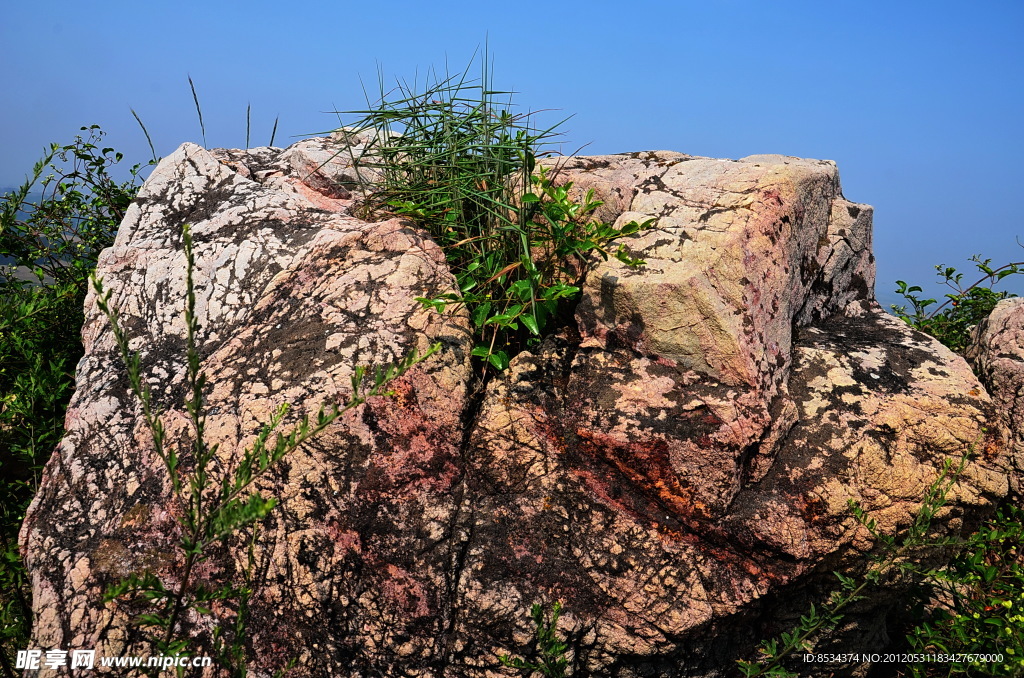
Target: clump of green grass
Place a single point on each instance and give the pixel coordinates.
(454, 158)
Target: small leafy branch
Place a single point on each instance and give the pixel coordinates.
(456, 161)
(550, 648)
(213, 510)
(892, 557)
(951, 321)
(79, 211)
(527, 292)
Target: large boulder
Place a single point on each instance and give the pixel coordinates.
(740, 251)
(996, 352)
(290, 298)
(667, 463)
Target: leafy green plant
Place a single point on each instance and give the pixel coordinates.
(890, 560)
(951, 321)
(980, 610)
(213, 509)
(77, 216)
(52, 228)
(37, 358)
(552, 661)
(526, 294)
(979, 594)
(459, 163)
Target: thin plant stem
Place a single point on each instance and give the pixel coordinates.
(199, 111)
(207, 519)
(146, 132)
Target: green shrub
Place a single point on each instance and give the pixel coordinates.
(52, 243)
(77, 216)
(980, 592)
(461, 165)
(951, 321)
(980, 607)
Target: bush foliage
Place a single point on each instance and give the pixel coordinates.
(952, 321)
(455, 160)
(51, 239)
(978, 596)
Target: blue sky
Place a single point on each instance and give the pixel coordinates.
(919, 103)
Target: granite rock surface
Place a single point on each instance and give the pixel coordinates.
(673, 464)
(997, 354)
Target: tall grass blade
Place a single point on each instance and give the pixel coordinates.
(248, 108)
(273, 133)
(195, 98)
(146, 132)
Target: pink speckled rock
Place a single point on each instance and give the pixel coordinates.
(595, 470)
(290, 297)
(674, 463)
(997, 354)
(740, 252)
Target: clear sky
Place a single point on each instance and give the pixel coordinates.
(921, 104)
